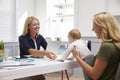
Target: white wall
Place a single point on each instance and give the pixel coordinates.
(84, 11)
(24, 8)
(14, 12)
(113, 6)
(40, 13)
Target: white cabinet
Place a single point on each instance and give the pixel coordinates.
(113, 7)
(118, 18)
(84, 11)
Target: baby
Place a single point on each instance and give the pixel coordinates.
(74, 39)
(75, 42)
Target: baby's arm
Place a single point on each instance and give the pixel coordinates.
(70, 58)
(67, 53)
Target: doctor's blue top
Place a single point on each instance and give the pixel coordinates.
(26, 43)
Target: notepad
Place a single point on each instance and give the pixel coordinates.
(22, 59)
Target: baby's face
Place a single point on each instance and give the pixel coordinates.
(70, 39)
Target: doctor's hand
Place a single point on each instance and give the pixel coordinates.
(50, 55)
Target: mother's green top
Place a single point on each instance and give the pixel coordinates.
(110, 53)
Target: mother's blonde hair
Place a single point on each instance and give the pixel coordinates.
(27, 23)
(109, 26)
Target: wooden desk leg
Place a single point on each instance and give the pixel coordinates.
(61, 75)
(67, 75)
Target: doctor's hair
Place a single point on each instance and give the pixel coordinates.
(27, 23)
(75, 34)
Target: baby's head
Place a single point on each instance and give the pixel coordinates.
(73, 35)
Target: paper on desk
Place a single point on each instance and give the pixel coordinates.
(7, 68)
(8, 65)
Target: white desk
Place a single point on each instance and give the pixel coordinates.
(41, 66)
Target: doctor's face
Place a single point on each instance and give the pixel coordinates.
(34, 26)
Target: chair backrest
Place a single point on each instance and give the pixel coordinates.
(118, 73)
(89, 44)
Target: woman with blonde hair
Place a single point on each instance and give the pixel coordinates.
(31, 41)
(108, 57)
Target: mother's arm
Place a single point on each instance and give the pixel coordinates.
(94, 72)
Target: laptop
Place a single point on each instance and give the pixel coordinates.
(53, 46)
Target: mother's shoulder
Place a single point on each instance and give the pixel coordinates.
(108, 44)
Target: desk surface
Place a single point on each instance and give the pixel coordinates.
(41, 66)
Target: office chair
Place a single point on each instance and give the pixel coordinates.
(89, 44)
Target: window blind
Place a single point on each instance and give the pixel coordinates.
(7, 29)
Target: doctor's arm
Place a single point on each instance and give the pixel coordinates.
(25, 48)
(36, 53)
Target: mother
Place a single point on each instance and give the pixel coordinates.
(108, 57)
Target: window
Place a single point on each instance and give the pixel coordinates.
(60, 18)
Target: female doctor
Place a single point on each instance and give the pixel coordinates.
(31, 41)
